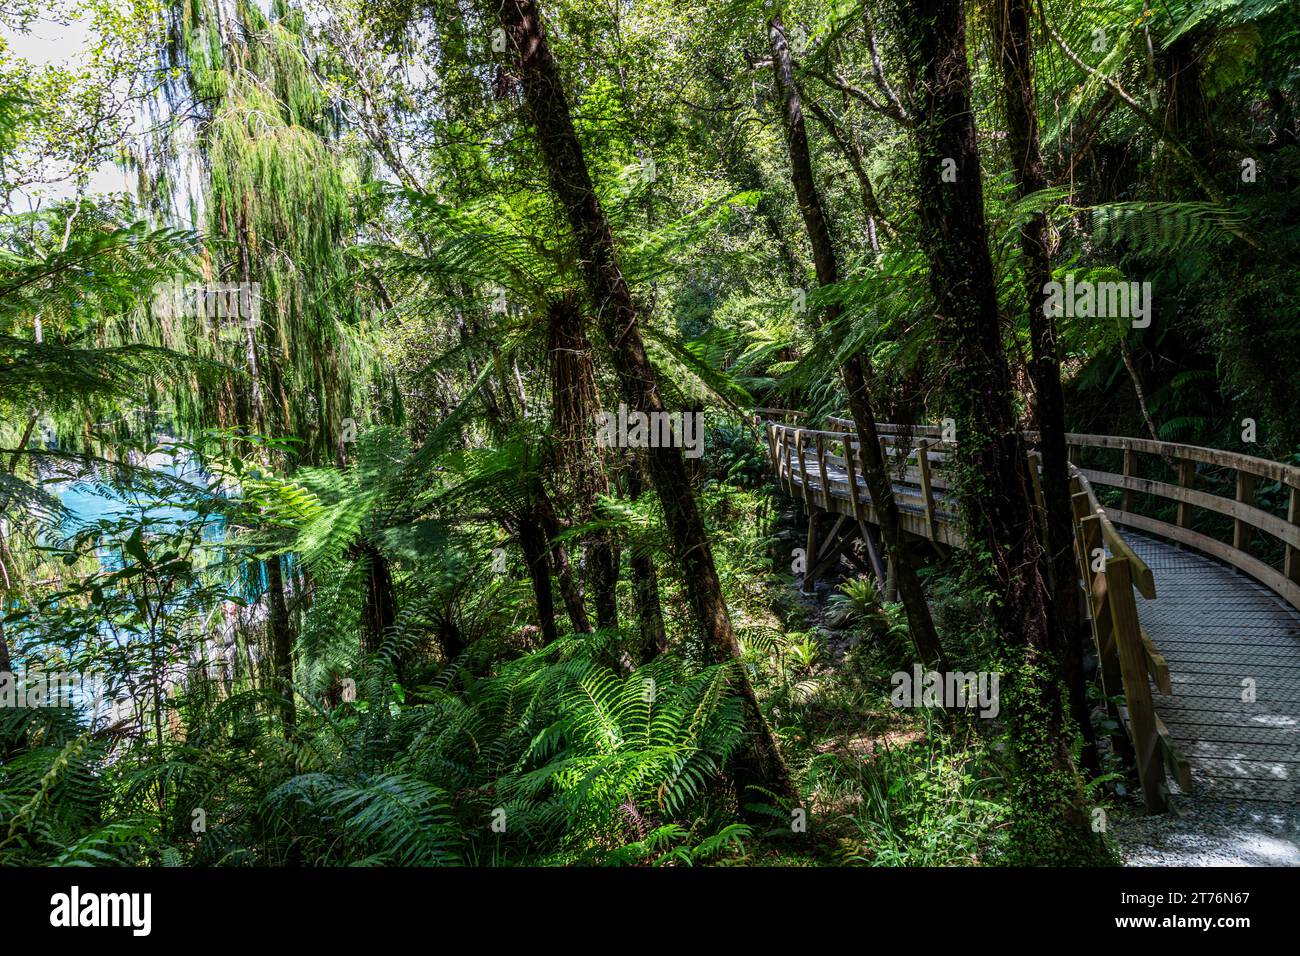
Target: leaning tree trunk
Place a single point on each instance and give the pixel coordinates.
(1013, 43)
(544, 514)
(1049, 822)
(854, 371)
(759, 763)
(575, 401)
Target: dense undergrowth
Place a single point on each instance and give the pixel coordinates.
(510, 755)
(374, 590)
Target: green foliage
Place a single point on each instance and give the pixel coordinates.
(922, 803)
(416, 406)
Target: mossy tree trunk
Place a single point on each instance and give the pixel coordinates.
(1013, 44)
(1049, 819)
(546, 103)
(854, 371)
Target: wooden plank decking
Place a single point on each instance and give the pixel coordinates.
(1218, 628)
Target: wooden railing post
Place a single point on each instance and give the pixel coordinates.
(1292, 566)
(927, 492)
(1103, 631)
(1088, 537)
(821, 469)
(851, 471)
(1137, 689)
(783, 454)
(1186, 476)
(803, 469)
(1249, 520)
(1245, 496)
(1130, 471)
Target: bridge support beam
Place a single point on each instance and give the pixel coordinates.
(873, 551)
(827, 545)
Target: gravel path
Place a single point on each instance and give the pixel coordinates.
(1206, 832)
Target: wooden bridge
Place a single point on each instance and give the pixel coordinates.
(1193, 607)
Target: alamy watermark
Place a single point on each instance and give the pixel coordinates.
(1099, 300)
(37, 689)
(239, 302)
(635, 429)
(74, 909)
(953, 690)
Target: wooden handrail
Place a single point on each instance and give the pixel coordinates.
(1142, 576)
(1246, 516)
(1261, 467)
(1109, 568)
(1128, 658)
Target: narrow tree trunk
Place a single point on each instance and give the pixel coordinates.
(1049, 822)
(532, 542)
(6, 666)
(1013, 42)
(7, 584)
(544, 517)
(852, 151)
(759, 764)
(645, 585)
(602, 576)
(1126, 355)
(854, 371)
(569, 592)
(279, 629)
(281, 635)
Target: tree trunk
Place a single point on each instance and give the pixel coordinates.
(1013, 43)
(645, 585)
(1049, 822)
(854, 371)
(379, 613)
(532, 542)
(281, 635)
(575, 401)
(545, 519)
(759, 763)
(602, 578)
(1127, 355)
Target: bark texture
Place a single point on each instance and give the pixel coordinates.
(854, 372)
(1013, 45)
(1049, 823)
(547, 107)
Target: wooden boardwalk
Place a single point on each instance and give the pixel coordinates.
(1220, 635)
(1227, 639)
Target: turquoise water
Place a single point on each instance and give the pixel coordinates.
(88, 503)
